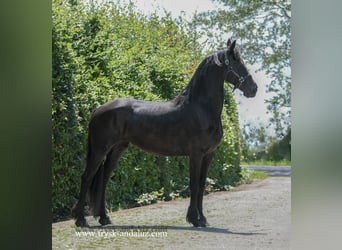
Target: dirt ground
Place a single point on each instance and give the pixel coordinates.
(253, 216)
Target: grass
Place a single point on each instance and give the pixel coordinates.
(267, 163)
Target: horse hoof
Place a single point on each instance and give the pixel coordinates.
(195, 223)
(203, 224)
(81, 223)
(199, 223)
(105, 221)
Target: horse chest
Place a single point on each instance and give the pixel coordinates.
(211, 137)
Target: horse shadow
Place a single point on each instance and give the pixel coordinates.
(209, 229)
(213, 230)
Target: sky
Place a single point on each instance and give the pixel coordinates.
(176, 7)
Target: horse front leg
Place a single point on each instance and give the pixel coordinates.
(203, 176)
(195, 163)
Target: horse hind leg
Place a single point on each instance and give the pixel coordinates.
(108, 167)
(94, 160)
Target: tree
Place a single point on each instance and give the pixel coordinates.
(280, 149)
(263, 27)
(253, 142)
(256, 145)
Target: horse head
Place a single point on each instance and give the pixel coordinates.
(236, 72)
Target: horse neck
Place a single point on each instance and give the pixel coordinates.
(206, 88)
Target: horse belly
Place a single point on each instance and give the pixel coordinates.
(176, 140)
(160, 143)
(158, 135)
(172, 132)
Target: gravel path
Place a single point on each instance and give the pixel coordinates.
(272, 170)
(254, 216)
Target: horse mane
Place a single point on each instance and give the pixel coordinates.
(215, 58)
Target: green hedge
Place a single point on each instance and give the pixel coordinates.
(104, 52)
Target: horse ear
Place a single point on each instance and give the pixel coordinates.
(229, 42)
(232, 47)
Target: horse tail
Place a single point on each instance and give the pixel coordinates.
(96, 187)
(95, 192)
(89, 140)
(88, 146)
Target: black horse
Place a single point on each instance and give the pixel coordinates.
(189, 125)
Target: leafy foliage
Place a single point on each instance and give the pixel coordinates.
(280, 149)
(264, 30)
(256, 146)
(105, 51)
